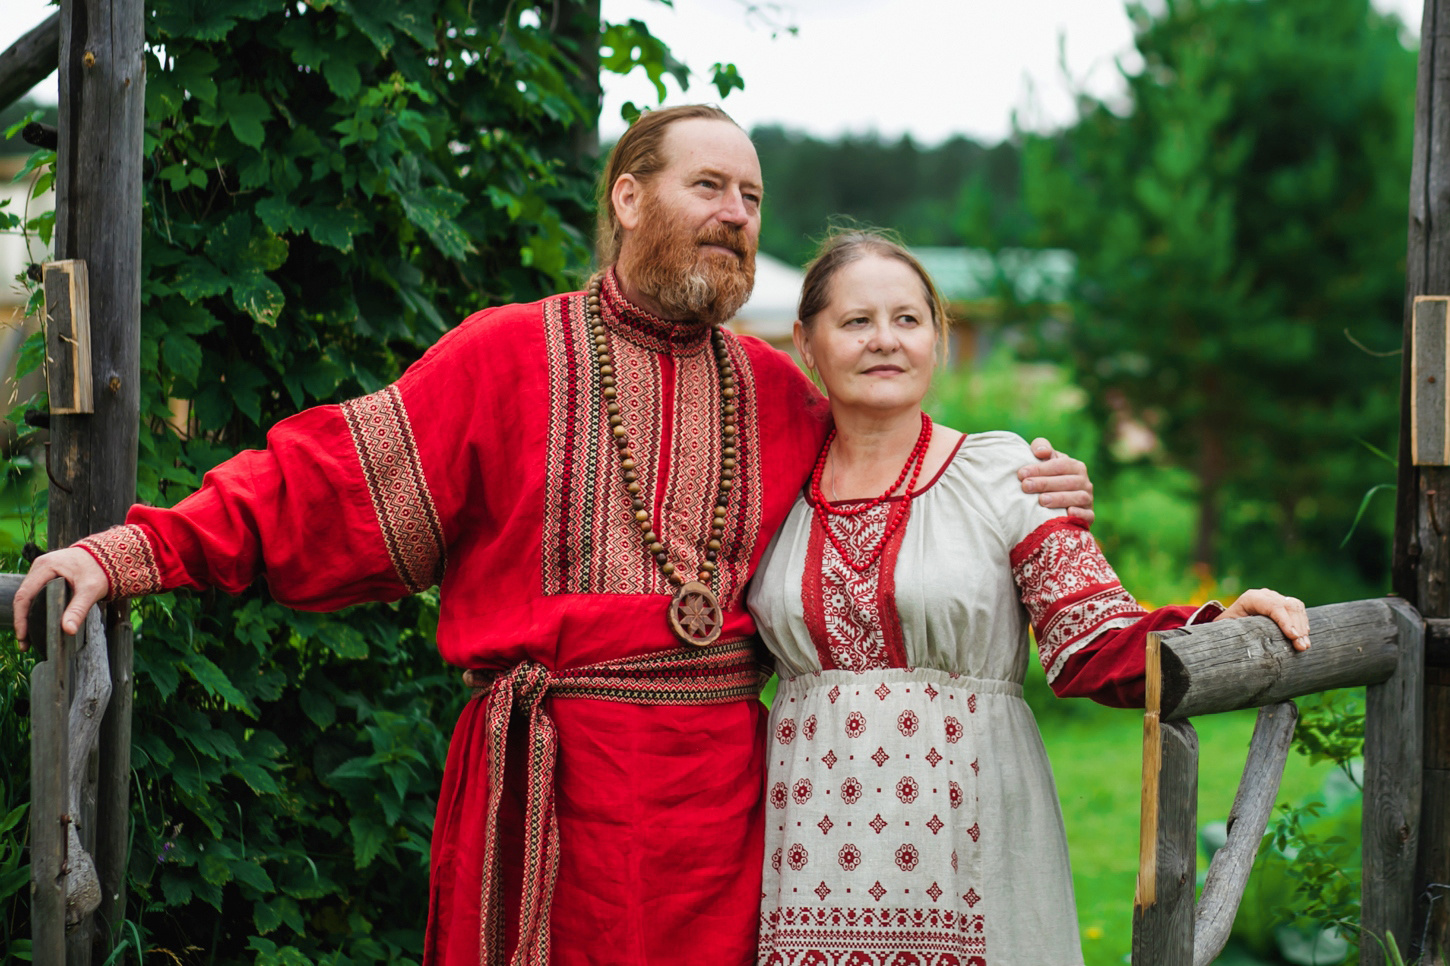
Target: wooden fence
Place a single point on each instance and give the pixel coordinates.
(1248, 663)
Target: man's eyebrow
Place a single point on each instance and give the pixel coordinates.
(712, 172)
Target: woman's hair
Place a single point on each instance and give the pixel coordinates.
(639, 152)
(844, 246)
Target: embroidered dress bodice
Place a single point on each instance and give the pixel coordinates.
(911, 808)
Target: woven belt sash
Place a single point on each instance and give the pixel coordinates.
(685, 676)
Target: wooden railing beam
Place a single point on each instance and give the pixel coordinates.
(1248, 663)
(29, 60)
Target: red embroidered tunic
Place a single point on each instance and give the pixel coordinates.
(912, 815)
(489, 467)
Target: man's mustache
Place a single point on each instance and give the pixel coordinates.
(725, 236)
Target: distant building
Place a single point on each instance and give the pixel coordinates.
(977, 285)
(770, 313)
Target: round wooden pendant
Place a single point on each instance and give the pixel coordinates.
(695, 614)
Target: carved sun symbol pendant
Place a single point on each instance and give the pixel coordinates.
(695, 614)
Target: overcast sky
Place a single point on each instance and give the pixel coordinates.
(929, 68)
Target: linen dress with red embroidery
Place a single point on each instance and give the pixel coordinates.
(490, 466)
(911, 808)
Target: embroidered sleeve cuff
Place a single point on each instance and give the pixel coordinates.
(126, 555)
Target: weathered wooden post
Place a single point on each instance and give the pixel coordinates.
(93, 456)
(1422, 517)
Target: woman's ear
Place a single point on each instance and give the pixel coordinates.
(627, 196)
(802, 340)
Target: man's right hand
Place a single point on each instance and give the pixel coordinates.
(87, 580)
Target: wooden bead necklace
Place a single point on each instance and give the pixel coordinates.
(824, 510)
(694, 612)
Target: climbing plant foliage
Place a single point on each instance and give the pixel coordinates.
(329, 186)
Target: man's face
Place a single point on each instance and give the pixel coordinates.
(692, 246)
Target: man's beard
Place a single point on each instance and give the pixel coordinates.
(668, 265)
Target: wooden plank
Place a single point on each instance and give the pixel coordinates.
(49, 711)
(113, 816)
(1228, 872)
(1248, 663)
(29, 60)
(1163, 916)
(68, 336)
(1390, 828)
(1429, 398)
(1432, 918)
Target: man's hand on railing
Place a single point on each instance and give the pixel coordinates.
(87, 581)
(1287, 612)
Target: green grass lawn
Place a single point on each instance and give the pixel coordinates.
(1097, 757)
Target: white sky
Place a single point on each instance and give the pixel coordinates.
(929, 68)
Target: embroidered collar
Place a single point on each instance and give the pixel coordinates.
(645, 329)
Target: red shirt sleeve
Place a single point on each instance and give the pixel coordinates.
(1092, 635)
(348, 503)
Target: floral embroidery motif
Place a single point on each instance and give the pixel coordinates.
(849, 857)
(801, 791)
(1070, 591)
(850, 791)
(785, 732)
(407, 517)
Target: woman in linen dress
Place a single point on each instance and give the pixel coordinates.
(912, 818)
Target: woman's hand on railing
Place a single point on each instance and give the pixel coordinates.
(88, 583)
(1287, 612)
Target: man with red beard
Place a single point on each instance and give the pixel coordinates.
(592, 478)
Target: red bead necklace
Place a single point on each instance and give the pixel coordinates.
(824, 511)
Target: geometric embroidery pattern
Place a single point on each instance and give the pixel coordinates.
(851, 615)
(404, 506)
(1070, 590)
(668, 390)
(125, 555)
(870, 936)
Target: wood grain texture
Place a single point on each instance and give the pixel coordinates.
(1248, 663)
(101, 109)
(29, 60)
(68, 337)
(1429, 400)
(1421, 561)
(1163, 925)
(1228, 872)
(1390, 828)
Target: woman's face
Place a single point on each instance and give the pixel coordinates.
(874, 342)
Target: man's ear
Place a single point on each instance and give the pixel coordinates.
(627, 195)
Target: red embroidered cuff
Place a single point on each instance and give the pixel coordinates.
(125, 554)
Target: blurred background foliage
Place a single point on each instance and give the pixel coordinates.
(330, 185)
